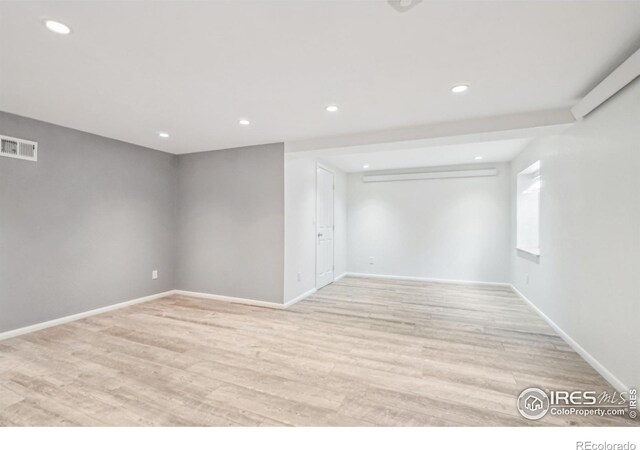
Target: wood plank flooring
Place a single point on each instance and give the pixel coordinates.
(360, 352)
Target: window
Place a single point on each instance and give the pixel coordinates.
(528, 210)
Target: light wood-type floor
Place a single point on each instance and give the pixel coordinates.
(360, 352)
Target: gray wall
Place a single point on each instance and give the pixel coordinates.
(586, 280)
(84, 226)
(231, 222)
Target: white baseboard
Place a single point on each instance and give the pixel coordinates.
(341, 276)
(82, 315)
(310, 292)
(431, 280)
(93, 312)
(300, 297)
(224, 298)
(602, 370)
(593, 362)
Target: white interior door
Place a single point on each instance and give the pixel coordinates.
(324, 227)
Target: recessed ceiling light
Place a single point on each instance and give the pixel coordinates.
(57, 27)
(244, 122)
(478, 157)
(164, 135)
(459, 88)
(332, 108)
(366, 166)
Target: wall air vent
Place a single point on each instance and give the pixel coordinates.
(18, 148)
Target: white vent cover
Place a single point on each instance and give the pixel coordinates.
(18, 148)
(490, 172)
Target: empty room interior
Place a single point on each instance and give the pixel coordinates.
(338, 214)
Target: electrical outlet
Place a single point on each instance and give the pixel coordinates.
(370, 259)
(299, 276)
(526, 278)
(154, 275)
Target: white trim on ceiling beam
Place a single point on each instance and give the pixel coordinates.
(624, 74)
(473, 130)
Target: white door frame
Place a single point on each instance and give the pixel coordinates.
(319, 165)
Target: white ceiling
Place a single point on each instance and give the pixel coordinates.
(131, 69)
(443, 155)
